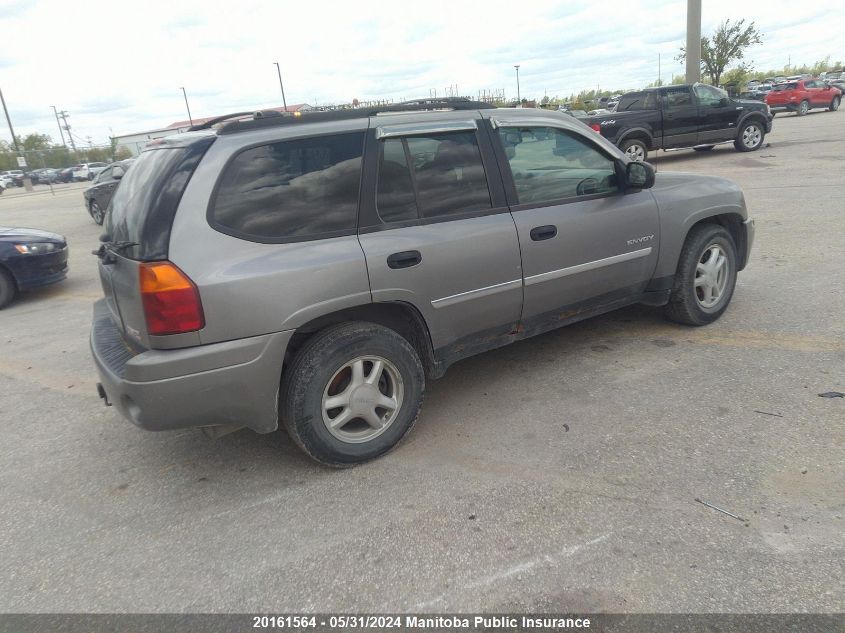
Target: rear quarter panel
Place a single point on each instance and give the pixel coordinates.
(249, 288)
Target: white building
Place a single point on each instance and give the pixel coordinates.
(137, 141)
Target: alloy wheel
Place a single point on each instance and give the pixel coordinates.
(751, 136)
(711, 276)
(636, 153)
(362, 399)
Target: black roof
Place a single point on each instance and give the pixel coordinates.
(238, 121)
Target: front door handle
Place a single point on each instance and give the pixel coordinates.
(543, 232)
(405, 259)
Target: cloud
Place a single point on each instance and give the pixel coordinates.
(332, 51)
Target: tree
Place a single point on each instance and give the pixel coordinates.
(727, 45)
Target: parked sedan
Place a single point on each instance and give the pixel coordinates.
(803, 95)
(29, 258)
(65, 175)
(98, 195)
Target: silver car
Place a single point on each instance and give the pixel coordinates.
(315, 271)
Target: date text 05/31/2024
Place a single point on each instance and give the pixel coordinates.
(417, 622)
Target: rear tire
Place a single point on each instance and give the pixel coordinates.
(354, 365)
(703, 287)
(635, 149)
(834, 104)
(803, 108)
(8, 289)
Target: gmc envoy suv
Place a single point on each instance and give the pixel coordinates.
(314, 271)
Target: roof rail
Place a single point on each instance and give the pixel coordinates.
(258, 122)
(219, 119)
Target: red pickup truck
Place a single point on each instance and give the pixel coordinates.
(801, 96)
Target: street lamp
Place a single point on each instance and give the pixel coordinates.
(518, 98)
(281, 85)
(185, 94)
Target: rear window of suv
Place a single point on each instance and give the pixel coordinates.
(781, 87)
(291, 190)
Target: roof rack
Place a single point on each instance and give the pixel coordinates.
(219, 119)
(259, 120)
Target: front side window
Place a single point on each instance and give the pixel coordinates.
(708, 96)
(549, 164)
(431, 176)
(292, 189)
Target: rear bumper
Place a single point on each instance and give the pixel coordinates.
(230, 383)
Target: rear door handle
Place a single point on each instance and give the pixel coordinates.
(405, 259)
(543, 232)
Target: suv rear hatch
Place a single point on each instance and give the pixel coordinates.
(137, 229)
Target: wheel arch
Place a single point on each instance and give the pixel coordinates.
(10, 272)
(399, 316)
(751, 115)
(733, 222)
(637, 132)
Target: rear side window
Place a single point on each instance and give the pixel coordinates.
(291, 190)
(431, 176)
(637, 101)
(678, 97)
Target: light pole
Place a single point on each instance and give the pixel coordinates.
(281, 85)
(693, 70)
(518, 97)
(26, 180)
(62, 134)
(185, 94)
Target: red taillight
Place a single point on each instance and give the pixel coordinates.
(171, 300)
(595, 127)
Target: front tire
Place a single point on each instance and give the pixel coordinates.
(834, 104)
(635, 149)
(8, 289)
(96, 212)
(352, 393)
(750, 137)
(706, 276)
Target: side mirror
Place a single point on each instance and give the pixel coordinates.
(117, 173)
(639, 175)
(723, 103)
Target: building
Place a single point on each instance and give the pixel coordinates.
(136, 142)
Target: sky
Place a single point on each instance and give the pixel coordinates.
(117, 67)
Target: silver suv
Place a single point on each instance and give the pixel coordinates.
(314, 271)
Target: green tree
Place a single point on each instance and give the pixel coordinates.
(726, 46)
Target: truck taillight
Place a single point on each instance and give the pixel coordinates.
(171, 301)
(595, 127)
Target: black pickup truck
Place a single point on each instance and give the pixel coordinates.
(697, 116)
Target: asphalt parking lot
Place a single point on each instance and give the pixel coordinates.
(557, 474)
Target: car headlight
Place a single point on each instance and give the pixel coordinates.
(37, 248)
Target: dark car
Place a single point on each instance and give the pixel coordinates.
(29, 258)
(697, 116)
(64, 175)
(32, 175)
(98, 195)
